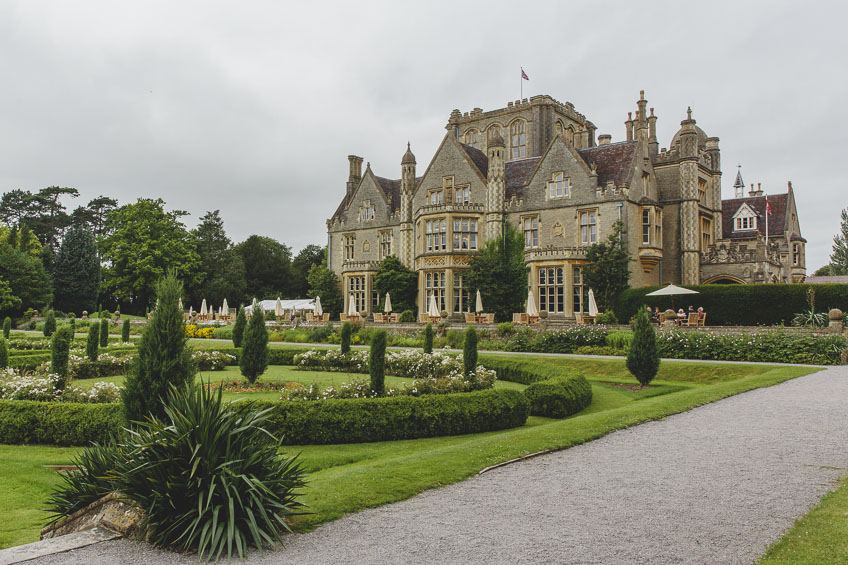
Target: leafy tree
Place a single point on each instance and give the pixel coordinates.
(22, 238)
(94, 215)
(50, 219)
(824, 271)
(163, 360)
(7, 327)
(8, 301)
(104, 333)
(469, 351)
(324, 283)
(26, 277)
(607, 272)
(303, 261)
(428, 338)
(238, 327)
(76, 271)
(839, 257)
(377, 363)
(643, 359)
(125, 331)
(500, 274)
(346, 331)
(393, 276)
(222, 272)
(50, 324)
(267, 264)
(4, 353)
(144, 242)
(60, 353)
(254, 355)
(92, 344)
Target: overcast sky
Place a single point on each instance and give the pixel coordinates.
(253, 107)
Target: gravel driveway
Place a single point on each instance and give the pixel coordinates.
(716, 484)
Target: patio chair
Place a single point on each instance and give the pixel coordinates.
(423, 318)
(343, 317)
(489, 318)
(578, 318)
(702, 321)
(693, 320)
(325, 317)
(310, 317)
(520, 318)
(470, 318)
(378, 318)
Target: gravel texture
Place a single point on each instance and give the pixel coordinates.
(716, 484)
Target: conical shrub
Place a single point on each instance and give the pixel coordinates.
(643, 359)
(254, 352)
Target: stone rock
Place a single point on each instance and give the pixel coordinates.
(112, 512)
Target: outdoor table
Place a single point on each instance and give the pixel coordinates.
(533, 319)
(393, 318)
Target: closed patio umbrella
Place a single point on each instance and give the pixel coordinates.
(593, 306)
(388, 307)
(351, 307)
(318, 310)
(278, 308)
(225, 310)
(181, 303)
(203, 307)
(532, 310)
(433, 310)
(479, 307)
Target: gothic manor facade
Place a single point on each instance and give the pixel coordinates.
(538, 165)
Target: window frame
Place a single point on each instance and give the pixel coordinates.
(530, 231)
(518, 139)
(588, 232)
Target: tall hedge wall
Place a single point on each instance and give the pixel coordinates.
(740, 304)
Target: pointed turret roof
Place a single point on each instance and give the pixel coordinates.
(739, 182)
(408, 157)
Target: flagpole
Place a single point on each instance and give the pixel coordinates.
(521, 81)
(768, 259)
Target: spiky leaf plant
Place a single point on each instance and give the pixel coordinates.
(86, 485)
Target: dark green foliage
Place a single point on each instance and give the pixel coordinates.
(839, 257)
(321, 334)
(7, 327)
(76, 271)
(73, 325)
(500, 274)
(254, 354)
(643, 358)
(92, 344)
(346, 332)
(607, 272)
(104, 333)
(303, 261)
(606, 318)
(163, 359)
(27, 280)
(407, 316)
(125, 331)
(469, 350)
(742, 304)
(267, 264)
(50, 324)
(559, 397)
(58, 423)
(4, 353)
(324, 283)
(395, 417)
(222, 272)
(238, 327)
(377, 363)
(394, 277)
(88, 483)
(59, 356)
(428, 338)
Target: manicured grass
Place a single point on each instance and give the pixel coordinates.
(348, 478)
(819, 537)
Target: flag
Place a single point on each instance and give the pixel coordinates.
(768, 207)
(524, 75)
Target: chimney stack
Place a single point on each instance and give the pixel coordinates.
(355, 174)
(604, 139)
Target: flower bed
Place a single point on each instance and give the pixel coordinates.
(42, 388)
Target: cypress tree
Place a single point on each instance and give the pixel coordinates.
(643, 359)
(254, 354)
(125, 331)
(93, 343)
(76, 271)
(469, 353)
(4, 353)
(164, 359)
(104, 333)
(428, 338)
(238, 327)
(59, 356)
(377, 363)
(50, 324)
(347, 330)
(7, 327)
(72, 323)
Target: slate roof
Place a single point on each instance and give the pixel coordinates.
(391, 188)
(822, 279)
(613, 160)
(478, 158)
(517, 174)
(776, 222)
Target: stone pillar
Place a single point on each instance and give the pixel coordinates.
(669, 317)
(836, 325)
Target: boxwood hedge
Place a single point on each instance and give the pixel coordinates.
(58, 423)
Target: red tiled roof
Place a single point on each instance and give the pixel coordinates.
(776, 220)
(613, 160)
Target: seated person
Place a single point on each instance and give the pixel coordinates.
(701, 313)
(691, 310)
(681, 316)
(657, 316)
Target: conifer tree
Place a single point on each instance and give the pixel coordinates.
(7, 327)
(72, 323)
(347, 330)
(254, 354)
(104, 333)
(50, 324)
(59, 356)
(469, 353)
(238, 327)
(643, 359)
(377, 363)
(76, 271)
(4, 353)
(428, 338)
(164, 359)
(125, 331)
(92, 345)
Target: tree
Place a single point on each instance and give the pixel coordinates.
(346, 331)
(163, 359)
(324, 283)
(303, 261)
(500, 274)
(267, 264)
(8, 301)
(238, 327)
(94, 215)
(104, 333)
(4, 353)
(643, 359)
(50, 324)
(393, 276)
(254, 355)
(125, 331)
(469, 351)
(824, 271)
(92, 344)
(607, 272)
(7, 327)
(839, 257)
(428, 338)
(143, 243)
(60, 352)
(222, 272)
(377, 363)
(26, 277)
(76, 271)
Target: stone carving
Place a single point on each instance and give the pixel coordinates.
(557, 230)
(366, 246)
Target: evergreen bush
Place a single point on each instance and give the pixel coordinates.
(254, 353)
(377, 363)
(92, 344)
(7, 327)
(4, 353)
(643, 359)
(238, 327)
(428, 338)
(50, 324)
(407, 316)
(60, 351)
(125, 331)
(469, 352)
(164, 359)
(104, 333)
(347, 330)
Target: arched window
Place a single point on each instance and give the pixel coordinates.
(569, 134)
(490, 133)
(558, 128)
(518, 139)
(472, 138)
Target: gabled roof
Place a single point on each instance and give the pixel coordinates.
(391, 188)
(777, 220)
(478, 158)
(517, 174)
(613, 160)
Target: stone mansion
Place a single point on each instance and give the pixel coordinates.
(539, 165)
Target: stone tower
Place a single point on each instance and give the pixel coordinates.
(689, 229)
(407, 189)
(495, 187)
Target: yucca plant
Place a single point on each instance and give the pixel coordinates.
(89, 483)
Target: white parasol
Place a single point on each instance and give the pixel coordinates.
(318, 310)
(531, 304)
(225, 310)
(479, 303)
(388, 307)
(278, 308)
(433, 310)
(351, 307)
(181, 303)
(203, 307)
(672, 290)
(593, 306)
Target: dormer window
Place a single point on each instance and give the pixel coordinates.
(366, 211)
(745, 219)
(558, 185)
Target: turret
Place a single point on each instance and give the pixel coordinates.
(739, 184)
(653, 144)
(642, 117)
(355, 174)
(688, 136)
(495, 187)
(407, 184)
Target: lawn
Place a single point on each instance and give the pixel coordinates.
(348, 478)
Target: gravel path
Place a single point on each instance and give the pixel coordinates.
(713, 485)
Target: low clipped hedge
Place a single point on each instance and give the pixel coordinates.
(740, 304)
(275, 356)
(57, 423)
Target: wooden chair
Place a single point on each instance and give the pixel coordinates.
(325, 317)
(578, 318)
(310, 317)
(470, 318)
(702, 321)
(488, 318)
(343, 317)
(520, 318)
(423, 318)
(692, 321)
(378, 318)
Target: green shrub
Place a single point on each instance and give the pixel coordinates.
(59, 357)
(92, 344)
(428, 338)
(4, 353)
(7, 327)
(407, 316)
(238, 327)
(125, 331)
(506, 329)
(321, 334)
(104, 333)
(455, 338)
(643, 359)
(606, 318)
(469, 352)
(223, 332)
(559, 397)
(377, 363)
(619, 339)
(254, 354)
(58, 423)
(347, 330)
(50, 324)
(559, 341)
